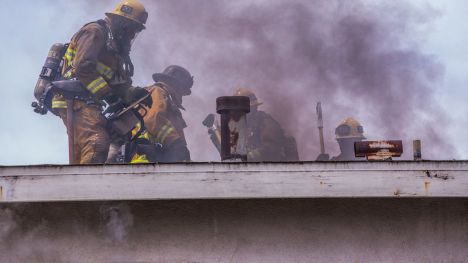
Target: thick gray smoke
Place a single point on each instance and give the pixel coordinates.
(7, 223)
(60, 232)
(359, 58)
(118, 220)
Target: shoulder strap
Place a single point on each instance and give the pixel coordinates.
(107, 32)
(109, 36)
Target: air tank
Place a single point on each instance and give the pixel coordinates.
(51, 69)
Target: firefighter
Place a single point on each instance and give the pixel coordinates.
(164, 139)
(99, 57)
(266, 139)
(347, 133)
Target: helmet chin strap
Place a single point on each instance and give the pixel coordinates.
(128, 65)
(125, 53)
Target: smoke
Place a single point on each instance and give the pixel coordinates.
(7, 224)
(66, 232)
(118, 220)
(361, 59)
(22, 242)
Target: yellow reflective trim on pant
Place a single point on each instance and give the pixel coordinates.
(144, 135)
(59, 104)
(136, 129)
(96, 85)
(160, 133)
(104, 70)
(163, 139)
(68, 74)
(139, 159)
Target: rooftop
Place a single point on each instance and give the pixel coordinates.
(234, 181)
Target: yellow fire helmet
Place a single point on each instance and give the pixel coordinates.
(131, 9)
(248, 93)
(349, 128)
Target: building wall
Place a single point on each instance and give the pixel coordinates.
(255, 230)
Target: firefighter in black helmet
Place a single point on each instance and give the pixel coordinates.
(164, 122)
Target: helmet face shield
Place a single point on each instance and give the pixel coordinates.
(343, 130)
(360, 129)
(143, 17)
(349, 128)
(125, 32)
(131, 29)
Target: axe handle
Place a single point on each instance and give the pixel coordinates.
(216, 142)
(322, 144)
(215, 137)
(71, 131)
(318, 108)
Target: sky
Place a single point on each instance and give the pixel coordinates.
(31, 27)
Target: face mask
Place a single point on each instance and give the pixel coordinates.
(125, 32)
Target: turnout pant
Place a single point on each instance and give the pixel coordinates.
(91, 139)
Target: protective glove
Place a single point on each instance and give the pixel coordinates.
(138, 93)
(114, 104)
(114, 107)
(111, 98)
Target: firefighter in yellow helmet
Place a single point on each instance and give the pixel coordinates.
(164, 138)
(99, 57)
(266, 140)
(347, 133)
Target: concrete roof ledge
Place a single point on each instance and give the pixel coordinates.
(234, 181)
